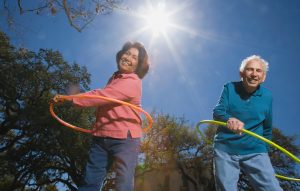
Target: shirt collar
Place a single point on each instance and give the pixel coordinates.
(117, 74)
(257, 92)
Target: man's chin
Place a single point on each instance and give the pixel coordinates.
(253, 85)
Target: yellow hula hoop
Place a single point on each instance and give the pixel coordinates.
(146, 129)
(260, 138)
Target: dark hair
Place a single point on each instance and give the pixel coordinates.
(143, 60)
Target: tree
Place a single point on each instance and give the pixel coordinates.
(174, 146)
(282, 164)
(79, 13)
(36, 152)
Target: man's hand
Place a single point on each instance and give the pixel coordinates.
(235, 125)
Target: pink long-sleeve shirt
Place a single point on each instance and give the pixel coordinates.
(113, 119)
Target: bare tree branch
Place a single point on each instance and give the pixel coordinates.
(79, 13)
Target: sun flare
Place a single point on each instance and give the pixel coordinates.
(157, 20)
(161, 21)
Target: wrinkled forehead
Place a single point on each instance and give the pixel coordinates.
(255, 63)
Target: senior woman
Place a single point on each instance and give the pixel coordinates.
(117, 129)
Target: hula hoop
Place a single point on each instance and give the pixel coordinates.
(290, 155)
(146, 129)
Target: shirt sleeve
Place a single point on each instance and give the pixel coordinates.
(123, 89)
(220, 112)
(268, 122)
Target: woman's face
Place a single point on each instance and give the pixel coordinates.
(129, 61)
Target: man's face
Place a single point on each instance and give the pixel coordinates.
(253, 75)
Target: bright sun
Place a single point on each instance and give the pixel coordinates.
(155, 19)
(158, 20)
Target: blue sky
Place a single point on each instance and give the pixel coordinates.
(193, 60)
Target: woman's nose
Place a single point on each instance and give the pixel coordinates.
(125, 57)
(129, 58)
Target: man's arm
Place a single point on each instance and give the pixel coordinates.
(268, 122)
(220, 113)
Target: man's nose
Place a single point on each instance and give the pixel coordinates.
(254, 73)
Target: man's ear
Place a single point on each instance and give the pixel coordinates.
(264, 78)
(241, 75)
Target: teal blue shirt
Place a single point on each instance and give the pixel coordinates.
(254, 110)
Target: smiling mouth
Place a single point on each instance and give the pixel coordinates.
(252, 81)
(125, 62)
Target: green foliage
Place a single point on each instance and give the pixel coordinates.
(174, 146)
(283, 164)
(36, 152)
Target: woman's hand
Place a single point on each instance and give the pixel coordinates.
(235, 125)
(61, 98)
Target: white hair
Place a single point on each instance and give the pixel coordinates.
(257, 58)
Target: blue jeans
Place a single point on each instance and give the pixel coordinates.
(103, 153)
(256, 166)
